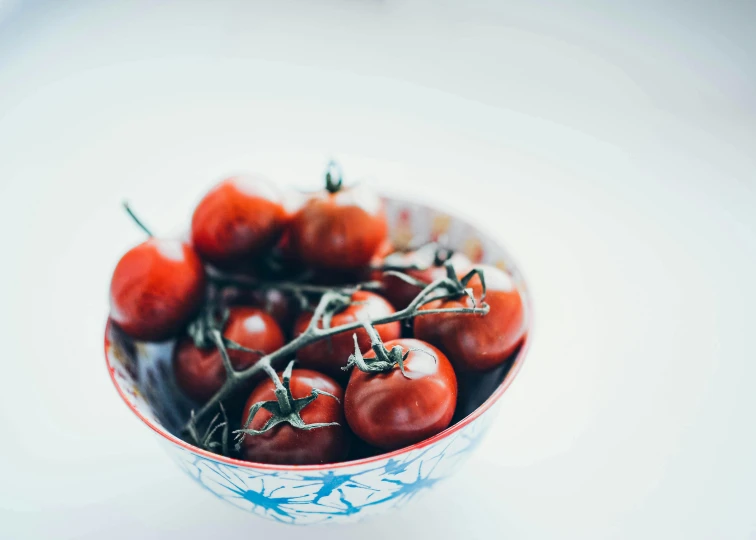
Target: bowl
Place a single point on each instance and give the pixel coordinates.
(337, 492)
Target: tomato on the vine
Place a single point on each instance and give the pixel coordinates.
(339, 228)
(274, 301)
(238, 219)
(156, 288)
(199, 371)
(477, 342)
(330, 355)
(430, 267)
(394, 409)
(286, 444)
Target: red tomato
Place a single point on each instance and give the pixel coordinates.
(275, 302)
(200, 373)
(331, 354)
(287, 445)
(389, 410)
(237, 220)
(399, 292)
(340, 230)
(156, 288)
(477, 342)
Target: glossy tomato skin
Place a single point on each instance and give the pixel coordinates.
(331, 354)
(237, 220)
(156, 288)
(477, 342)
(275, 302)
(338, 231)
(400, 293)
(287, 445)
(200, 373)
(390, 411)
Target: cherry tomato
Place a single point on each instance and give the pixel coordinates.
(156, 288)
(284, 444)
(237, 220)
(399, 292)
(338, 230)
(477, 342)
(331, 354)
(389, 410)
(200, 373)
(275, 302)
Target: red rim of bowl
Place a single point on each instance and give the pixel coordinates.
(486, 405)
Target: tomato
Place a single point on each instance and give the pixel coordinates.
(477, 342)
(237, 220)
(156, 288)
(390, 410)
(339, 228)
(287, 445)
(275, 302)
(200, 372)
(399, 292)
(331, 354)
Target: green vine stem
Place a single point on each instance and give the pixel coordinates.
(283, 409)
(334, 177)
(206, 441)
(384, 360)
(446, 287)
(136, 219)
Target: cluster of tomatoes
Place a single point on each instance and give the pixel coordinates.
(258, 262)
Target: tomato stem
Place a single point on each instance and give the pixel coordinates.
(333, 177)
(206, 440)
(217, 338)
(136, 219)
(284, 409)
(442, 255)
(384, 360)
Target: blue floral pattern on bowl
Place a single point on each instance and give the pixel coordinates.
(332, 495)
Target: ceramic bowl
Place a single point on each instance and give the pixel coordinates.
(338, 492)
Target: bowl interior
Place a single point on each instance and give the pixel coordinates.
(142, 371)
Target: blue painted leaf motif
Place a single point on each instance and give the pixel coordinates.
(316, 497)
(330, 482)
(267, 501)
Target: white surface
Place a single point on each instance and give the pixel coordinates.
(611, 148)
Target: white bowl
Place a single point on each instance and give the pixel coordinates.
(338, 492)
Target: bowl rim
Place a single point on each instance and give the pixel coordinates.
(454, 428)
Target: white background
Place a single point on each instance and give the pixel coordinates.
(610, 145)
